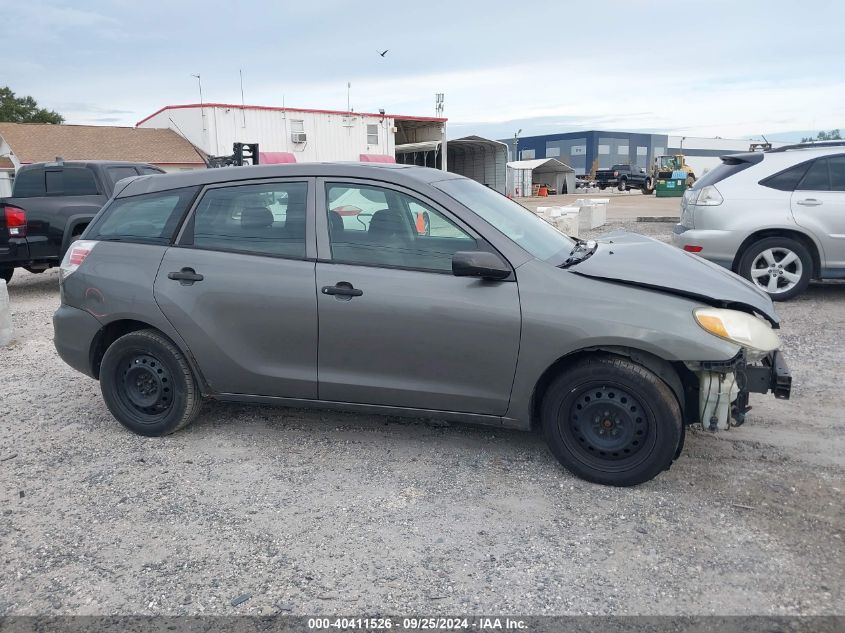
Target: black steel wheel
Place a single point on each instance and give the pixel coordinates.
(148, 385)
(611, 421)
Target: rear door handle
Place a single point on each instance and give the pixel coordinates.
(342, 289)
(810, 202)
(186, 276)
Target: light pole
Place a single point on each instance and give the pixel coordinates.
(438, 106)
(516, 144)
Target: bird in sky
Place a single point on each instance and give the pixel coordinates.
(384, 52)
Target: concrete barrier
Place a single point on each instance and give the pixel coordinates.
(566, 219)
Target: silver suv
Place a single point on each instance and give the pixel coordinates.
(407, 291)
(777, 217)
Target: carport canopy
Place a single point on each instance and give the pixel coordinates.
(522, 174)
(481, 159)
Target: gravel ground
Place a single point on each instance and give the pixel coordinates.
(309, 512)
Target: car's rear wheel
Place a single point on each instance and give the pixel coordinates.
(648, 186)
(148, 385)
(611, 421)
(781, 266)
(6, 273)
(623, 185)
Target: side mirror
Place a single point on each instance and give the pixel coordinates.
(479, 264)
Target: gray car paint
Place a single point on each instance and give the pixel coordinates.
(644, 261)
(543, 311)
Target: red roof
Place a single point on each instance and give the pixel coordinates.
(278, 109)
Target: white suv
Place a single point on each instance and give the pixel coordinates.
(777, 217)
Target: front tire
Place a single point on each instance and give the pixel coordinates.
(611, 421)
(148, 385)
(781, 266)
(623, 185)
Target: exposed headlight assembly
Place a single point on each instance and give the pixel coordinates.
(754, 334)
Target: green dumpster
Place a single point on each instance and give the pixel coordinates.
(670, 187)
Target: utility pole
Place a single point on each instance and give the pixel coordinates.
(202, 109)
(516, 144)
(438, 108)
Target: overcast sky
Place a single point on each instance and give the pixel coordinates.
(732, 68)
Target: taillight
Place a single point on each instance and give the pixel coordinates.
(690, 248)
(616, 174)
(15, 221)
(75, 255)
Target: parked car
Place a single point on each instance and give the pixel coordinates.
(776, 217)
(625, 178)
(50, 207)
(248, 285)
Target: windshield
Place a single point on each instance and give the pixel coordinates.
(535, 235)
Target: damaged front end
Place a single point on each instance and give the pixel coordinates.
(724, 386)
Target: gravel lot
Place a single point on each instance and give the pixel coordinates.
(309, 512)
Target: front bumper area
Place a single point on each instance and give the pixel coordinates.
(724, 387)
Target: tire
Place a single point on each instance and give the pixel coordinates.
(640, 408)
(623, 185)
(6, 273)
(790, 278)
(648, 187)
(602, 187)
(148, 385)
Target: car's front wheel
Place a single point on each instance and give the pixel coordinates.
(779, 265)
(611, 421)
(148, 385)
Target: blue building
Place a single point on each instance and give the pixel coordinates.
(602, 149)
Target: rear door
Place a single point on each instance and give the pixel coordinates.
(396, 327)
(818, 204)
(239, 288)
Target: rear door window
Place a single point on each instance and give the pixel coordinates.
(788, 179)
(816, 178)
(70, 181)
(152, 217)
(265, 219)
(837, 173)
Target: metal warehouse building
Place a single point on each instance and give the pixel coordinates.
(596, 149)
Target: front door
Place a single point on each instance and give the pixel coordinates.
(239, 288)
(396, 327)
(818, 204)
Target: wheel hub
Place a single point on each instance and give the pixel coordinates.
(146, 384)
(608, 423)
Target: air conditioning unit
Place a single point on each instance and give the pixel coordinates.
(298, 137)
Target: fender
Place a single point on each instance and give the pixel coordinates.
(73, 222)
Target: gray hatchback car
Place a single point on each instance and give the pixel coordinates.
(402, 290)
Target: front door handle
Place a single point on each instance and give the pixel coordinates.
(186, 276)
(342, 289)
(809, 202)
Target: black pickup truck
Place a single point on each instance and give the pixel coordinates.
(625, 178)
(51, 205)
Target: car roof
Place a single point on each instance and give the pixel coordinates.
(85, 163)
(394, 173)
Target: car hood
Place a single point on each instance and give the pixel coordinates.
(638, 260)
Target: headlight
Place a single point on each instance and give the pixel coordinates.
(738, 327)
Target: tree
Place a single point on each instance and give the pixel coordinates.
(24, 109)
(833, 135)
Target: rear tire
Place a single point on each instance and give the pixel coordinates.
(623, 185)
(789, 261)
(611, 421)
(148, 385)
(6, 273)
(648, 187)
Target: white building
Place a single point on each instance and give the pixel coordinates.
(310, 135)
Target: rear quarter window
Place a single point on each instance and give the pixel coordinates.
(152, 217)
(787, 179)
(29, 183)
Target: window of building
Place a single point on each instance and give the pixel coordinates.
(604, 149)
(622, 150)
(642, 151)
(552, 152)
(527, 154)
(297, 125)
(267, 219)
(381, 227)
(151, 217)
(578, 150)
(372, 134)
